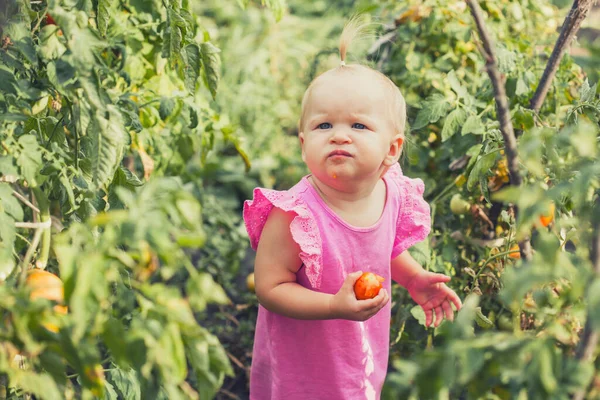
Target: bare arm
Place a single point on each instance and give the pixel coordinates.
(276, 265)
(404, 268)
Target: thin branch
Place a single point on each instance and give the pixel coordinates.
(35, 28)
(589, 338)
(24, 200)
(29, 254)
(34, 225)
(506, 127)
(572, 23)
(9, 178)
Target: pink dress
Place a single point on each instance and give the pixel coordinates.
(332, 359)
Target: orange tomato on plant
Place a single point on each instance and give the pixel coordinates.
(515, 251)
(368, 286)
(46, 285)
(546, 219)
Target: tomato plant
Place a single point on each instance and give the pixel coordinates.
(107, 123)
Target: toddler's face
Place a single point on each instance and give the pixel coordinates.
(348, 132)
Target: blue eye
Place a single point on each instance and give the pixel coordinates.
(356, 125)
(324, 125)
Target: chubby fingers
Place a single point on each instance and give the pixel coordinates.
(352, 278)
(448, 311)
(428, 316)
(439, 316)
(452, 297)
(372, 306)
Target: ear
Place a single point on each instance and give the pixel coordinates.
(301, 137)
(395, 150)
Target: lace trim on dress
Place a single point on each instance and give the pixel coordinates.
(303, 227)
(414, 220)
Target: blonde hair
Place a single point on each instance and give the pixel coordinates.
(355, 28)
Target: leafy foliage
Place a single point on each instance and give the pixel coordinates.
(107, 123)
(136, 129)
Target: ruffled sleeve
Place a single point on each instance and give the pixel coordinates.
(414, 218)
(303, 227)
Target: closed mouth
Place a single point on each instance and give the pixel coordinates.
(339, 153)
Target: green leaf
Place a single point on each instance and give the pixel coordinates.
(209, 361)
(41, 385)
(587, 93)
(421, 252)
(202, 289)
(54, 364)
(455, 85)
(547, 246)
(453, 122)
(481, 167)
(68, 187)
(126, 383)
(521, 88)
(545, 363)
(434, 108)
(167, 105)
(30, 159)
(523, 118)
(507, 60)
(107, 145)
(578, 374)
(9, 203)
(172, 354)
(473, 125)
(8, 83)
(51, 47)
(172, 36)
(193, 117)
(8, 234)
(105, 8)
(88, 274)
(113, 335)
(20, 34)
(211, 63)
(585, 139)
(418, 313)
(192, 66)
(123, 178)
(190, 210)
(61, 73)
(109, 392)
(7, 166)
(481, 320)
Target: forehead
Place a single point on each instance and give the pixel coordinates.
(357, 91)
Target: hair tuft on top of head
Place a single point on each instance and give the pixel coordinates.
(355, 28)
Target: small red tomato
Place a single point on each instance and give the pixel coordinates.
(367, 286)
(50, 20)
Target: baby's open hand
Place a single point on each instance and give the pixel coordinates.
(344, 304)
(429, 290)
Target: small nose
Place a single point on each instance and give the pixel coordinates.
(339, 136)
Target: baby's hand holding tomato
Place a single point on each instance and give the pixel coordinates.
(368, 286)
(345, 305)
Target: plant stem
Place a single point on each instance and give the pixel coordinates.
(25, 201)
(28, 255)
(44, 207)
(503, 253)
(444, 191)
(589, 338)
(571, 25)
(502, 105)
